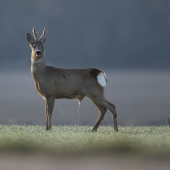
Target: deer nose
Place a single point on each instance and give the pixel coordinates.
(38, 52)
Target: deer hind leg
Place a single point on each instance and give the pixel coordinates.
(102, 111)
(49, 109)
(112, 108)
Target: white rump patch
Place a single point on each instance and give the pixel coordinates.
(102, 79)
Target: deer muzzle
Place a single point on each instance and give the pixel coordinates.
(38, 53)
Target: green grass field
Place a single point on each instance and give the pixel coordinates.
(153, 140)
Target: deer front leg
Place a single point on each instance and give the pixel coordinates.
(49, 103)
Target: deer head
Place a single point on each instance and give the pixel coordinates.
(37, 44)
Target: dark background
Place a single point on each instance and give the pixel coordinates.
(111, 34)
(130, 40)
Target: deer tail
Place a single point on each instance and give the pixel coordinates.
(100, 77)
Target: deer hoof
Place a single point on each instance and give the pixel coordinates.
(116, 130)
(94, 130)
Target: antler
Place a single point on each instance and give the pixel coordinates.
(43, 35)
(35, 34)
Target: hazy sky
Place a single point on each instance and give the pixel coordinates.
(110, 34)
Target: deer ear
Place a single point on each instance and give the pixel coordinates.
(30, 38)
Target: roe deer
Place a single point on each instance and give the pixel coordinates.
(57, 83)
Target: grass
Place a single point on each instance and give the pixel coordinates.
(151, 140)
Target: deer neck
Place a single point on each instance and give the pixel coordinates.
(37, 67)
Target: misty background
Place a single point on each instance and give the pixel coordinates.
(129, 40)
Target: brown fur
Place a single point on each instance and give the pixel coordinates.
(57, 83)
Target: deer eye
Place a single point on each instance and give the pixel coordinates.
(33, 46)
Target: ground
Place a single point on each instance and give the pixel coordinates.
(16, 161)
(76, 147)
